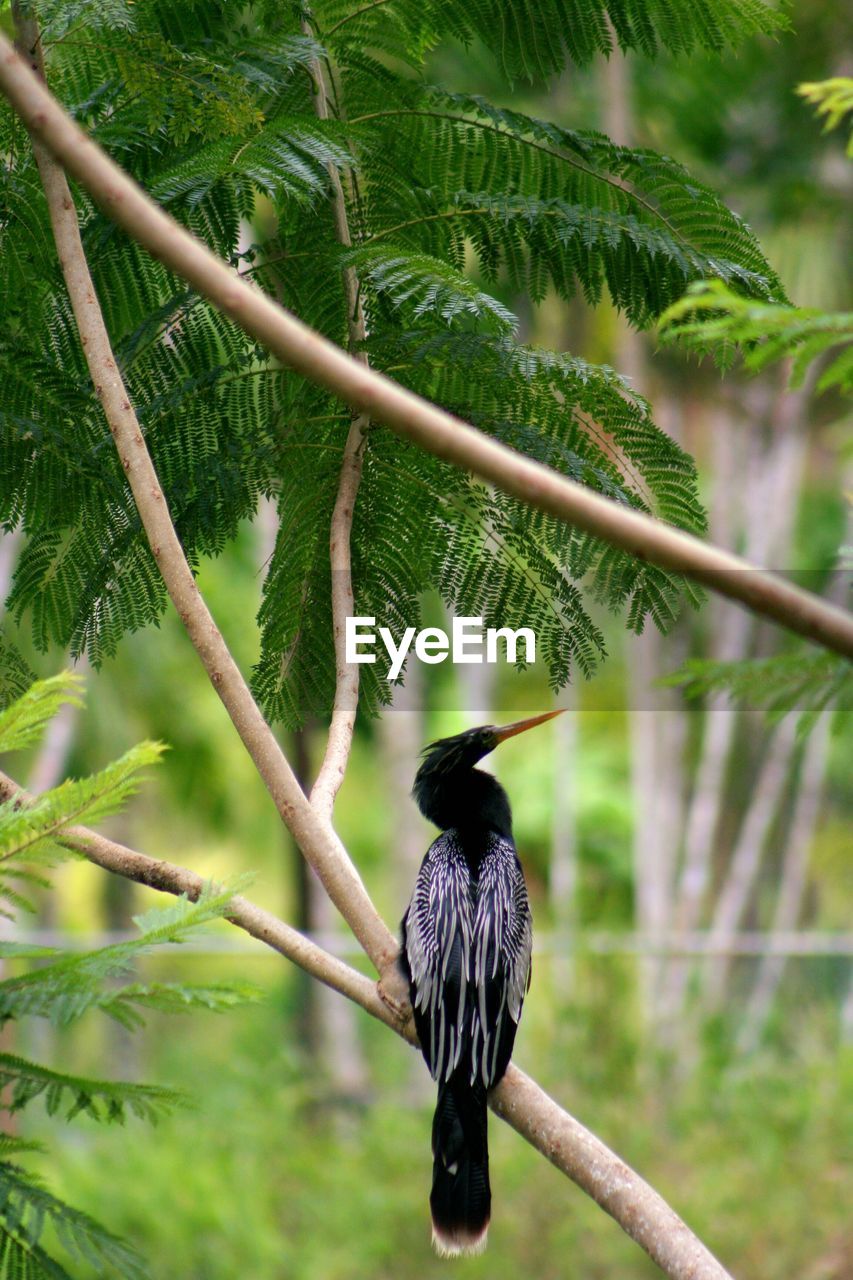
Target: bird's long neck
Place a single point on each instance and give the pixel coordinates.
(470, 800)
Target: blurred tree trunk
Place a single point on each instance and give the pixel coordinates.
(118, 899)
(767, 489)
(562, 865)
(49, 768)
(792, 882)
(658, 727)
(768, 796)
(796, 847)
(401, 732)
(326, 1025)
(335, 1021)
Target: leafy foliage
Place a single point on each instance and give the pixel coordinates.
(26, 1206)
(806, 683)
(833, 99)
(16, 675)
(64, 987)
(712, 318)
(533, 39)
(73, 984)
(101, 1099)
(453, 204)
(25, 832)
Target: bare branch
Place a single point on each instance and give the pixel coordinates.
(339, 740)
(405, 413)
(612, 1184)
(314, 836)
(518, 1100)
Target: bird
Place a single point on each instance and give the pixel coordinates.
(467, 937)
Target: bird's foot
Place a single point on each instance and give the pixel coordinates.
(393, 990)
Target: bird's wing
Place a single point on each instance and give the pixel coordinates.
(437, 943)
(502, 942)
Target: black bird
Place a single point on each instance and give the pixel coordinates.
(467, 937)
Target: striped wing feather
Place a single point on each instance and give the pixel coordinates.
(438, 949)
(502, 944)
(467, 945)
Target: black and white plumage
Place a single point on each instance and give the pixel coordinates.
(466, 945)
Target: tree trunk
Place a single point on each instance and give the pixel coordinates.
(792, 883)
(768, 795)
(767, 488)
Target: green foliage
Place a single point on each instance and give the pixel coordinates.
(26, 1207)
(713, 318)
(75, 983)
(23, 723)
(534, 39)
(833, 99)
(62, 988)
(27, 832)
(103, 1100)
(345, 1194)
(88, 800)
(803, 682)
(453, 204)
(16, 675)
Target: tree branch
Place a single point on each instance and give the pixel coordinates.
(267, 928)
(314, 836)
(518, 1100)
(339, 739)
(405, 413)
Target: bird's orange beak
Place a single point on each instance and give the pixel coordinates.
(519, 726)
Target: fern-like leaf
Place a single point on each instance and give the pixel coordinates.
(534, 39)
(26, 1207)
(87, 800)
(73, 984)
(833, 100)
(797, 682)
(710, 318)
(103, 1100)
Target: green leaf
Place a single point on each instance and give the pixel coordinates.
(87, 800)
(801, 682)
(833, 100)
(26, 1206)
(103, 1100)
(73, 984)
(535, 39)
(711, 318)
(24, 721)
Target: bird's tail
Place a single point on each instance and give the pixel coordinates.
(461, 1198)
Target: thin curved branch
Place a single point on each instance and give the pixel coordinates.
(339, 738)
(312, 833)
(518, 1100)
(166, 877)
(612, 1184)
(404, 412)
(374, 4)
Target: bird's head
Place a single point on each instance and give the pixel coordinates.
(446, 783)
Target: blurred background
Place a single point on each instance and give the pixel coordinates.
(689, 865)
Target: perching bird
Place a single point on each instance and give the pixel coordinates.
(467, 938)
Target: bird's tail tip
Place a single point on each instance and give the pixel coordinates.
(459, 1242)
